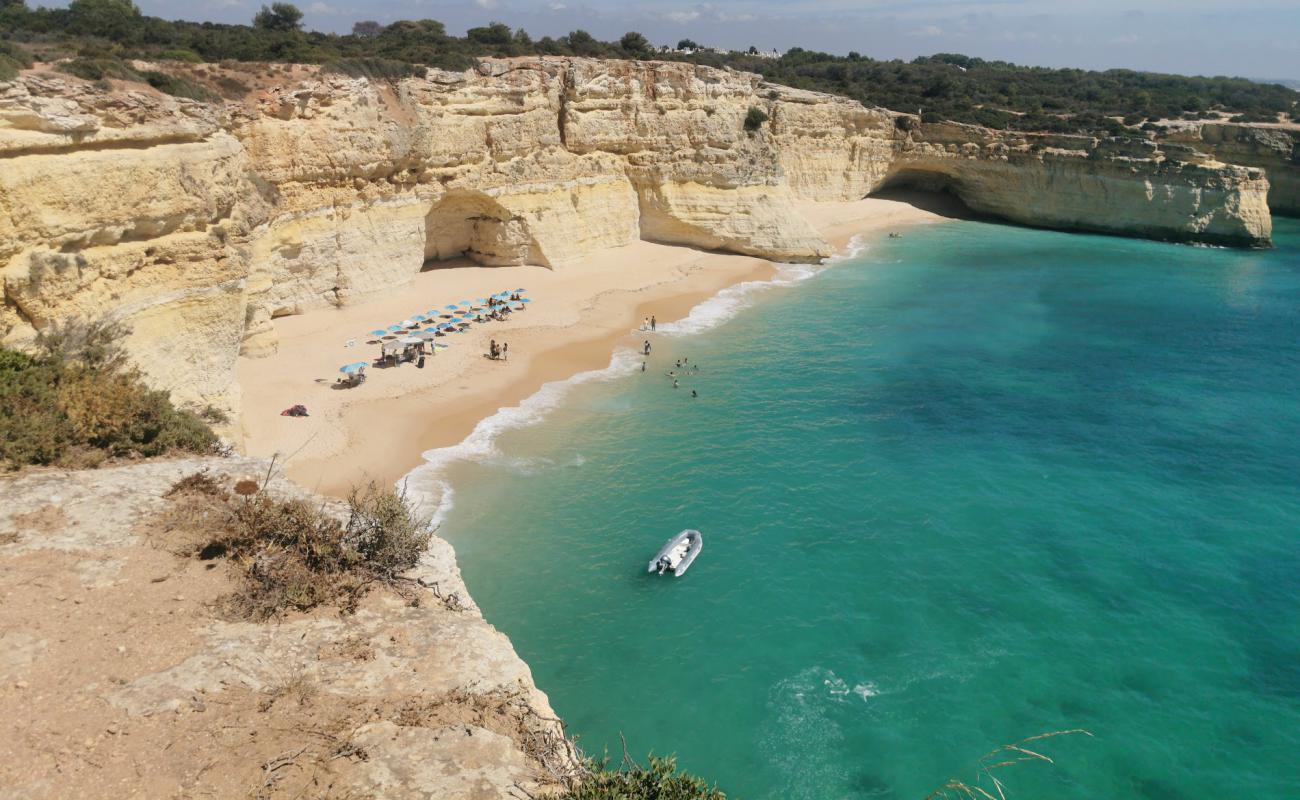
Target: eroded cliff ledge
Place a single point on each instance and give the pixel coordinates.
(198, 223)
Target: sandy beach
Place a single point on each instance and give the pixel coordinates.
(577, 317)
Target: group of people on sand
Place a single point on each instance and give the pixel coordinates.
(498, 352)
(497, 309)
(649, 324)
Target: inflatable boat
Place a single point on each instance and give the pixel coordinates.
(678, 553)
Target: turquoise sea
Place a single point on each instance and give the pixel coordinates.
(968, 486)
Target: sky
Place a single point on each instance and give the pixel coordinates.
(1250, 38)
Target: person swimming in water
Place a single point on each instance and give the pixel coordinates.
(694, 393)
(674, 383)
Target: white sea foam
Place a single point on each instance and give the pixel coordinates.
(425, 484)
(431, 492)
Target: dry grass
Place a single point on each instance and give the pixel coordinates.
(293, 554)
(999, 758)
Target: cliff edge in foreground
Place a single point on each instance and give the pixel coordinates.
(118, 676)
(197, 223)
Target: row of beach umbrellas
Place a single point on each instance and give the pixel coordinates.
(455, 314)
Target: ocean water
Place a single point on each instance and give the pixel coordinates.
(968, 486)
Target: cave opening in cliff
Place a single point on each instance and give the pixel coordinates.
(473, 225)
(929, 190)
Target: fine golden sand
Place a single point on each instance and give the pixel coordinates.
(577, 316)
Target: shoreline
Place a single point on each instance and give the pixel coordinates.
(578, 318)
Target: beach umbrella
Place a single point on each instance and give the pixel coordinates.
(394, 328)
(451, 307)
(520, 290)
(481, 300)
(464, 303)
(349, 368)
(433, 312)
(419, 318)
(441, 345)
(426, 336)
(410, 340)
(379, 332)
(525, 300)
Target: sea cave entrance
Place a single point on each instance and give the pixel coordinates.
(473, 225)
(932, 190)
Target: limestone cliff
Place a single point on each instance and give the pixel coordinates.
(835, 148)
(199, 222)
(1271, 147)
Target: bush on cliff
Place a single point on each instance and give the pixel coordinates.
(631, 781)
(76, 402)
(293, 554)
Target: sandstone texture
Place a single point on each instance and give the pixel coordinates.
(198, 223)
(118, 678)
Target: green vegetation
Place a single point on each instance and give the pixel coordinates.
(293, 554)
(946, 86)
(754, 118)
(631, 781)
(77, 403)
(1001, 95)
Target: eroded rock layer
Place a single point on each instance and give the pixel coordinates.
(198, 222)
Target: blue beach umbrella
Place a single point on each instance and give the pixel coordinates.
(394, 328)
(481, 300)
(419, 318)
(379, 332)
(520, 290)
(433, 312)
(525, 300)
(465, 303)
(451, 307)
(350, 368)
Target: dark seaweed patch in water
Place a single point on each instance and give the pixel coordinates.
(871, 785)
(1156, 789)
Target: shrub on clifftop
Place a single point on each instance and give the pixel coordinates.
(293, 554)
(76, 402)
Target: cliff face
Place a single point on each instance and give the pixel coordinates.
(1273, 148)
(834, 148)
(198, 223)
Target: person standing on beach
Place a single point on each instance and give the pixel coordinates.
(646, 349)
(645, 326)
(652, 322)
(505, 350)
(643, 366)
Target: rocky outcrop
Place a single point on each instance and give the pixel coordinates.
(834, 148)
(1271, 147)
(118, 678)
(199, 223)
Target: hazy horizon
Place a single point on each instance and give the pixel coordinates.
(1257, 39)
